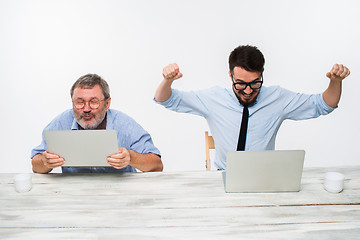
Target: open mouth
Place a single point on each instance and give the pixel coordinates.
(247, 96)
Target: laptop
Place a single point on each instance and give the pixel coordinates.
(264, 171)
(82, 148)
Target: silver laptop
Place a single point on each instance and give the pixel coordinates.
(82, 148)
(264, 171)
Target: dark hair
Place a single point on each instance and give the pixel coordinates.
(247, 57)
(90, 81)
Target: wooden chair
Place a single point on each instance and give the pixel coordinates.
(209, 144)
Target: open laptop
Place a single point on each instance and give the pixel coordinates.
(264, 171)
(82, 148)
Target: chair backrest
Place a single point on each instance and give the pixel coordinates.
(209, 144)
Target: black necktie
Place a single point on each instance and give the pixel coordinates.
(243, 130)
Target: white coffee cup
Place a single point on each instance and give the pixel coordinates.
(334, 182)
(22, 182)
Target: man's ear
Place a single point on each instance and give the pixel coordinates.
(108, 101)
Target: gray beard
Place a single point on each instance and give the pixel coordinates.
(98, 120)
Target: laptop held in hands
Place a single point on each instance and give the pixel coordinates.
(82, 148)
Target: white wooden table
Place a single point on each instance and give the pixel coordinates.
(174, 205)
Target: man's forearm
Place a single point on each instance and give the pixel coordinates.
(148, 162)
(163, 92)
(332, 94)
(38, 165)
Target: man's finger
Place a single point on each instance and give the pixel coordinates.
(54, 162)
(119, 155)
(116, 163)
(50, 155)
(328, 74)
(343, 74)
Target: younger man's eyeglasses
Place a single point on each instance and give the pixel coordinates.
(243, 85)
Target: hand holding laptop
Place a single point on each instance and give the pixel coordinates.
(120, 159)
(52, 160)
(117, 160)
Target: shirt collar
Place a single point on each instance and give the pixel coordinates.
(109, 122)
(75, 125)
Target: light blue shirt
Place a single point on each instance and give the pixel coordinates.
(223, 112)
(129, 133)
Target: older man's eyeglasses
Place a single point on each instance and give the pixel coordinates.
(93, 103)
(254, 85)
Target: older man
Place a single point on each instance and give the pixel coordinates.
(91, 110)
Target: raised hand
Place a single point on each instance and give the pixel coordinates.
(172, 72)
(338, 72)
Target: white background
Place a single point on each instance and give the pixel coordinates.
(46, 45)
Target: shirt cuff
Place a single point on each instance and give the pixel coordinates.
(323, 104)
(169, 100)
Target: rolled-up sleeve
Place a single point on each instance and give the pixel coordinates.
(186, 102)
(143, 143)
(300, 106)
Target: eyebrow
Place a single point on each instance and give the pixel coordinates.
(81, 99)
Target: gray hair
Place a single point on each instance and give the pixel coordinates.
(89, 81)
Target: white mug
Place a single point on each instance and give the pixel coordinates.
(22, 182)
(334, 182)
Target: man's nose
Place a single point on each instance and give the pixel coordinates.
(248, 90)
(87, 107)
